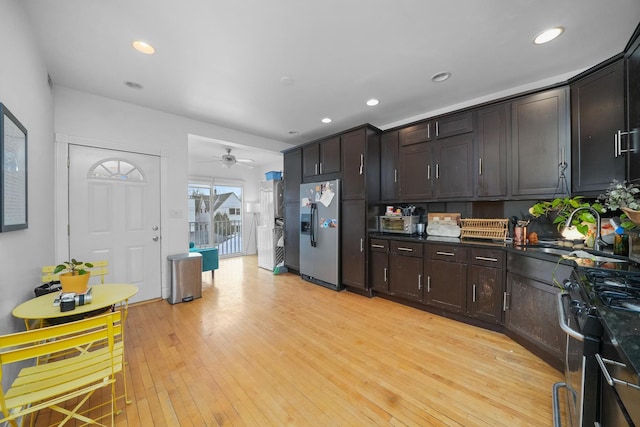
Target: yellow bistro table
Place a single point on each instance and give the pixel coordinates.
(41, 308)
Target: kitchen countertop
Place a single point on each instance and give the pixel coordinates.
(623, 326)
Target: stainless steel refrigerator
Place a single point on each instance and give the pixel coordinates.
(320, 233)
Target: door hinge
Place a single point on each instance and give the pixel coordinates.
(68, 230)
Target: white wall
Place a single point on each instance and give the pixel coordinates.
(97, 121)
(25, 92)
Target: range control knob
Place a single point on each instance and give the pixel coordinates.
(577, 306)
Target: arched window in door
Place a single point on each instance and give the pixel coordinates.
(116, 169)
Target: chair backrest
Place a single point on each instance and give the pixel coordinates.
(97, 356)
(99, 269)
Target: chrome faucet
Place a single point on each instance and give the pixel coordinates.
(598, 243)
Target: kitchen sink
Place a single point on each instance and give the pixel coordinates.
(575, 253)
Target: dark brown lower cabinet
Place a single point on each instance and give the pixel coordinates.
(405, 270)
(532, 315)
(354, 235)
(292, 235)
(446, 285)
(379, 262)
(485, 293)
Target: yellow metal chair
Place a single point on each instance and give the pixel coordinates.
(77, 376)
(99, 269)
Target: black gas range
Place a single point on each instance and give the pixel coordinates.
(599, 309)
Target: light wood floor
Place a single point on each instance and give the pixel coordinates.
(272, 350)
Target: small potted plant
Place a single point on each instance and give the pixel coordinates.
(626, 197)
(76, 277)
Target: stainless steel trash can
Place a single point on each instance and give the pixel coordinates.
(186, 277)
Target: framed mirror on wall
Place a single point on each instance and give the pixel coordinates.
(13, 179)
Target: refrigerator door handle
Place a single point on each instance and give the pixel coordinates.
(312, 234)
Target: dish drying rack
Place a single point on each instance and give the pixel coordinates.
(483, 228)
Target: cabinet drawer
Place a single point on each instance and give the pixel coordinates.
(406, 248)
(454, 125)
(415, 134)
(448, 253)
(379, 245)
(488, 257)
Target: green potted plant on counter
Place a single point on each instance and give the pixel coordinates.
(626, 197)
(560, 209)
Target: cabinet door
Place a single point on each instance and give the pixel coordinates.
(453, 167)
(405, 276)
(310, 160)
(389, 179)
(456, 124)
(597, 112)
(633, 113)
(292, 235)
(416, 172)
(532, 315)
(353, 240)
(446, 284)
(330, 156)
(380, 271)
(415, 134)
(485, 293)
(540, 135)
(292, 175)
(491, 172)
(353, 164)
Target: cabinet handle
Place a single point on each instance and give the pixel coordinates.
(428, 172)
(405, 249)
(320, 168)
(428, 283)
(361, 163)
(374, 245)
(437, 128)
(616, 148)
(316, 169)
(474, 292)
(484, 258)
(419, 281)
(395, 175)
(505, 307)
(361, 245)
(437, 170)
(620, 150)
(428, 130)
(386, 274)
(480, 166)
(445, 253)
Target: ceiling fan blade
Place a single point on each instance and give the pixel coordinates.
(244, 160)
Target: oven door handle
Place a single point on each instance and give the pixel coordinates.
(562, 319)
(607, 376)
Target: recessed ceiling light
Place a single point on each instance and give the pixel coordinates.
(326, 120)
(286, 81)
(440, 77)
(372, 102)
(293, 132)
(133, 85)
(548, 35)
(143, 47)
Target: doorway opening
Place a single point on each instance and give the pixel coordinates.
(215, 217)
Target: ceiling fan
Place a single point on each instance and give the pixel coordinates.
(229, 160)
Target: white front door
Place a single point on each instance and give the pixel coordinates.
(114, 214)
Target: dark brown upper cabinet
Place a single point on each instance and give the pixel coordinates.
(415, 134)
(293, 175)
(633, 109)
(321, 158)
(492, 143)
(455, 124)
(416, 172)
(389, 166)
(598, 137)
(361, 164)
(540, 144)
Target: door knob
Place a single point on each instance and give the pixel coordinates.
(156, 238)
(155, 228)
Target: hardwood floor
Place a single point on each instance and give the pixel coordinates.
(272, 350)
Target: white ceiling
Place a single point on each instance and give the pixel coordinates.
(222, 62)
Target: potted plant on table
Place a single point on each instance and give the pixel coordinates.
(76, 277)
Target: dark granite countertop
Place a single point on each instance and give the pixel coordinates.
(623, 326)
